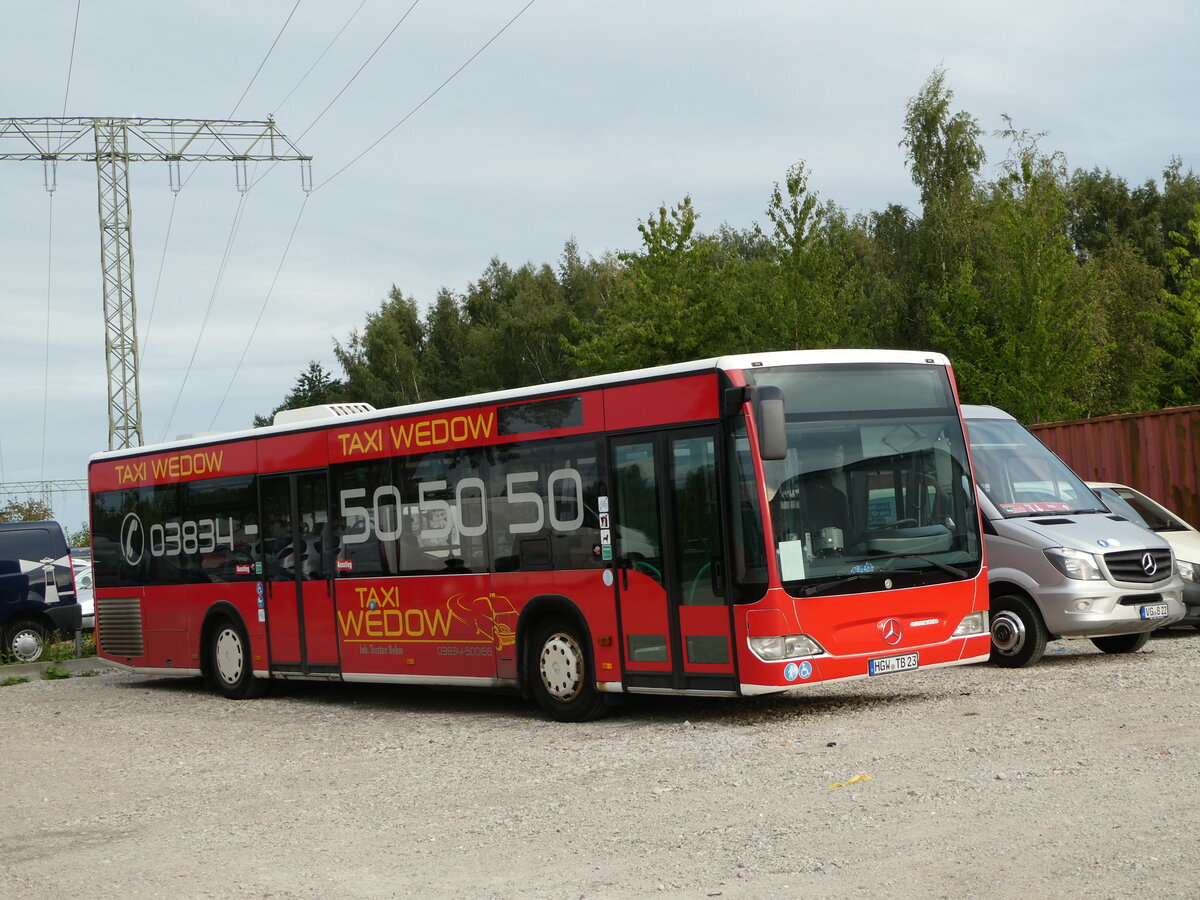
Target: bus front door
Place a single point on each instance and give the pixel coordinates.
(301, 620)
(668, 552)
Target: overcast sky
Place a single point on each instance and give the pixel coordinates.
(577, 121)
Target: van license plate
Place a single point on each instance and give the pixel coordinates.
(886, 665)
(1154, 611)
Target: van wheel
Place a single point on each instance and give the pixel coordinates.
(25, 641)
(1018, 633)
(229, 666)
(1122, 643)
(560, 674)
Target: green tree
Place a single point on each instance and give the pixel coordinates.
(1127, 290)
(518, 322)
(1181, 321)
(944, 155)
(445, 347)
(1023, 330)
(382, 363)
(817, 295)
(81, 537)
(672, 300)
(314, 387)
(27, 510)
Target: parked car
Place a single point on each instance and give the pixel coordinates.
(1060, 564)
(37, 588)
(1183, 538)
(81, 561)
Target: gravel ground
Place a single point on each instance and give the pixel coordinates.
(1075, 778)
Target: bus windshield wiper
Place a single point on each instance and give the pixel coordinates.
(945, 567)
(838, 582)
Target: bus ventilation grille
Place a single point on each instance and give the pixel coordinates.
(119, 623)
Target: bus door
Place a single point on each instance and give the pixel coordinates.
(301, 620)
(668, 551)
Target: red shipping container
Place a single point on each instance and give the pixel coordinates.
(1155, 452)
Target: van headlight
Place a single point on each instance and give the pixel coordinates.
(1075, 563)
(784, 646)
(1187, 570)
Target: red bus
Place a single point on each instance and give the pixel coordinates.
(728, 527)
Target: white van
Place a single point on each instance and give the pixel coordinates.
(1060, 563)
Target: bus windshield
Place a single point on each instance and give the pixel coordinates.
(1020, 475)
(875, 491)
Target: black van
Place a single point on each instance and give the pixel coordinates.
(37, 589)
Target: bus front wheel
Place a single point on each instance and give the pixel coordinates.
(560, 674)
(229, 666)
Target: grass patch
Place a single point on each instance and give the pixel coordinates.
(14, 679)
(58, 650)
(54, 673)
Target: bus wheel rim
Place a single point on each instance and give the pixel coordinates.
(1008, 633)
(230, 658)
(561, 667)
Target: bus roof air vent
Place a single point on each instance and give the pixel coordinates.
(325, 411)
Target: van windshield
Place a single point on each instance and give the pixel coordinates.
(1021, 476)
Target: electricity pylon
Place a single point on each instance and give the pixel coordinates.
(114, 144)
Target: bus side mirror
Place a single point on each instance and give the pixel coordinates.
(767, 403)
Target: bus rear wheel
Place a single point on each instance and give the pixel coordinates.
(1122, 643)
(560, 674)
(229, 665)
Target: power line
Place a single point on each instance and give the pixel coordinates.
(162, 261)
(261, 311)
(328, 46)
(270, 50)
(71, 60)
(344, 87)
(432, 94)
(386, 38)
(46, 371)
(237, 221)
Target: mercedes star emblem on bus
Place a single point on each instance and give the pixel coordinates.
(890, 629)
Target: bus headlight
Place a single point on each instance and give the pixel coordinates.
(1074, 563)
(975, 623)
(784, 646)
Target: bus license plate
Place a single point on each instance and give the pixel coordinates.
(886, 665)
(1154, 611)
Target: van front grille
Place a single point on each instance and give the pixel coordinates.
(1140, 566)
(119, 625)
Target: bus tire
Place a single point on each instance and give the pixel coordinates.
(1018, 634)
(560, 673)
(1122, 643)
(24, 641)
(230, 669)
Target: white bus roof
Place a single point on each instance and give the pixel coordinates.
(319, 415)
